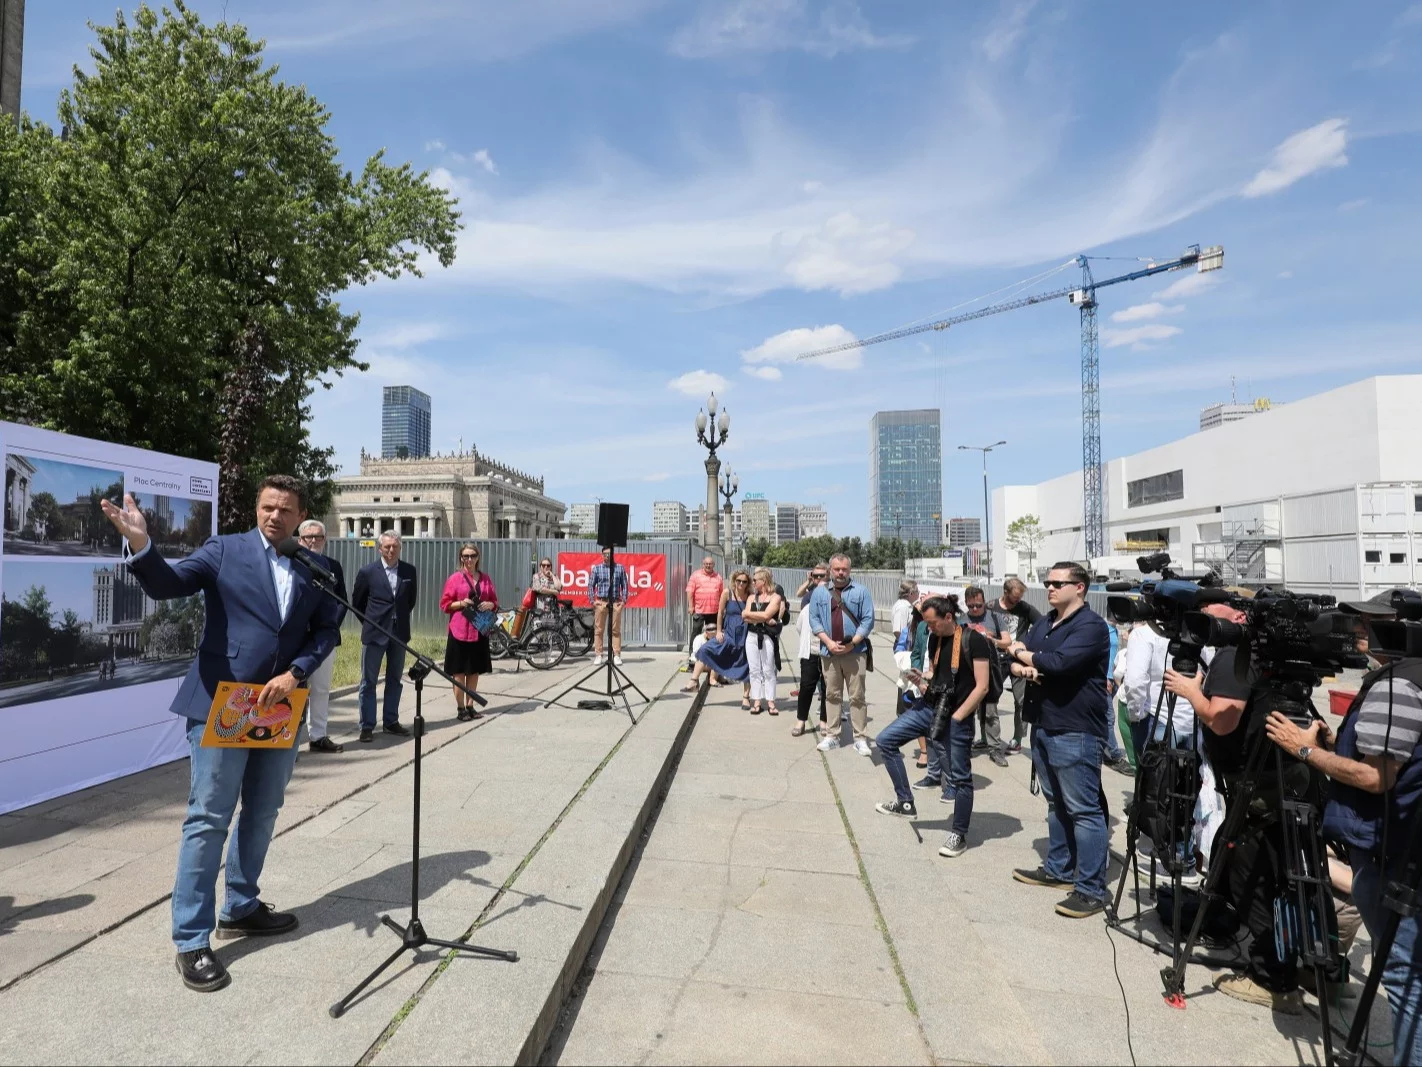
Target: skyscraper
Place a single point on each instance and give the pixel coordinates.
(787, 523)
(906, 475)
(964, 532)
(405, 423)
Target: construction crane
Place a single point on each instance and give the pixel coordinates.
(1084, 297)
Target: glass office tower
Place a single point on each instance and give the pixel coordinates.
(906, 475)
(405, 422)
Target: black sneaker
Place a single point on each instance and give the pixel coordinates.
(927, 783)
(1039, 876)
(1122, 766)
(1076, 906)
(202, 971)
(266, 921)
(397, 728)
(998, 757)
(325, 744)
(366, 735)
(980, 746)
(903, 808)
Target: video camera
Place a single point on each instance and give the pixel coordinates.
(1165, 606)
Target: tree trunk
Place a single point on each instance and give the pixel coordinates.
(241, 408)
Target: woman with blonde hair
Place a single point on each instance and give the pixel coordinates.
(725, 654)
(762, 615)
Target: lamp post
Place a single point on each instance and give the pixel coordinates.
(730, 486)
(987, 513)
(712, 432)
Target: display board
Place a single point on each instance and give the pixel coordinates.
(646, 577)
(88, 663)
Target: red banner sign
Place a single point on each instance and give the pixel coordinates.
(646, 577)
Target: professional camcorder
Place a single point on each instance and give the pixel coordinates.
(1165, 606)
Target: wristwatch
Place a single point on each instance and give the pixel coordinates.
(1303, 753)
(297, 673)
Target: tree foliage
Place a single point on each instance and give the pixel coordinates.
(1025, 534)
(886, 554)
(169, 264)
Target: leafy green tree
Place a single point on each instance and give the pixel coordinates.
(44, 510)
(169, 266)
(757, 550)
(1025, 534)
(65, 640)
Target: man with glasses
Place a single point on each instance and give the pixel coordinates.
(1065, 657)
(609, 596)
(990, 624)
(1017, 617)
(703, 599)
(842, 618)
(312, 534)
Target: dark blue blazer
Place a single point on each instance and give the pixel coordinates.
(373, 599)
(335, 568)
(244, 638)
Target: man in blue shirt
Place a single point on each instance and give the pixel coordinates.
(1065, 656)
(841, 619)
(608, 591)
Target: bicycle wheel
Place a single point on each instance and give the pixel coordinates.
(545, 649)
(498, 639)
(578, 634)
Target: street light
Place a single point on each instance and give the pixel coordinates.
(712, 432)
(987, 513)
(730, 486)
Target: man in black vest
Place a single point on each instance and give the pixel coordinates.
(385, 593)
(1376, 772)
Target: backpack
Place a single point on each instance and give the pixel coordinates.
(997, 670)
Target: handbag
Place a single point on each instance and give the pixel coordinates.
(868, 641)
(482, 621)
(943, 709)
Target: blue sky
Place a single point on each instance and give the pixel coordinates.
(65, 481)
(656, 192)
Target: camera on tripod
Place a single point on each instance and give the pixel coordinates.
(1165, 606)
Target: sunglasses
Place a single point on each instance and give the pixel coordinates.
(545, 563)
(1052, 583)
(469, 556)
(819, 577)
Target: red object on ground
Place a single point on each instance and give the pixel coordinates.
(1339, 699)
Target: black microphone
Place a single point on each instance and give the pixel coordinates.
(1119, 587)
(291, 548)
(1213, 595)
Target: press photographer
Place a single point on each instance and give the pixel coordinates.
(1375, 772)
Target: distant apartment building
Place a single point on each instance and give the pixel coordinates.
(906, 475)
(582, 518)
(787, 523)
(964, 532)
(814, 520)
(404, 423)
(669, 517)
(755, 510)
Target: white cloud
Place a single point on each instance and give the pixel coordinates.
(1142, 312)
(1190, 285)
(483, 159)
(1007, 29)
(1138, 337)
(659, 476)
(698, 383)
(434, 146)
(770, 374)
(848, 255)
(788, 346)
(1352, 205)
(1286, 274)
(728, 27)
(1319, 147)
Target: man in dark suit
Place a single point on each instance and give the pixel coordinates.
(312, 534)
(266, 622)
(384, 593)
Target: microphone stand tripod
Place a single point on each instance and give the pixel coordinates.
(615, 674)
(412, 935)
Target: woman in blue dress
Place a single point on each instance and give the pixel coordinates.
(725, 654)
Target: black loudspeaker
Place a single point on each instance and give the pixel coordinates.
(612, 525)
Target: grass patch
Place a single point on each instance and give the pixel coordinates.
(347, 655)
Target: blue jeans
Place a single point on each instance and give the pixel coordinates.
(371, 658)
(218, 777)
(1114, 751)
(1069, 770)
(1402, 975)
(916, 722)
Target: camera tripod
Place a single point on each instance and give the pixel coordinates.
(1305, 924)
(1181, 766)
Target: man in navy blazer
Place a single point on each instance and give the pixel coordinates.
(385, 593)
(266, 622)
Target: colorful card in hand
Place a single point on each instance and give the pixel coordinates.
(235, 721)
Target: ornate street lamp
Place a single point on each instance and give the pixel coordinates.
(712, 432)
(730, 486)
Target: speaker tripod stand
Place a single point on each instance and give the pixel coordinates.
(615, 681)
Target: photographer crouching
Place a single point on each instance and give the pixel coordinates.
(1375, 770)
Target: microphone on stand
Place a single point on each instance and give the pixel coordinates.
(293, 549)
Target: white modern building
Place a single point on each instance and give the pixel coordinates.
(814, 520)
(1320, 495)
(582, 519)
(756, 511)
(669, 517)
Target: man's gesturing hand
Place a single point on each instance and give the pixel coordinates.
(128, 521)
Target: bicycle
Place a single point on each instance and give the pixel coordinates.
(543, 646)
(577, 627)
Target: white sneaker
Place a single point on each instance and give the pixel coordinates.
(862, 747)
(617, 661)
(597, 661)
(828, 744)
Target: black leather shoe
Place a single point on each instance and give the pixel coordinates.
(266, 921)
(325, 744)
(397, 728)
(367, 735)
(202, 971)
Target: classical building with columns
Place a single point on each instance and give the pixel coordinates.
(464, 494)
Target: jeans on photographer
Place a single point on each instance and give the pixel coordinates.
(916, 722)
(1402, 974)
(1069, 772)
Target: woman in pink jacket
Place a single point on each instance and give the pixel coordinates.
(468, 593)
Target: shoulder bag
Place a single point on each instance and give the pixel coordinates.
(482, 621)
(835, 596)
(944, 708)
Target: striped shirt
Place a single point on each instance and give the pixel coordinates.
(1391, 716)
